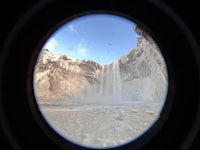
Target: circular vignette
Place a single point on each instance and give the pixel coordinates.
(146, 137)
(20, 53)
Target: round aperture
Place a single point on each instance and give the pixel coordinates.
(100, 80)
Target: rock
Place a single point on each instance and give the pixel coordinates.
(142, 70)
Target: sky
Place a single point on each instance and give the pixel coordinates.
(102, 38)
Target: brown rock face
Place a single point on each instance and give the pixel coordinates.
(57, 76)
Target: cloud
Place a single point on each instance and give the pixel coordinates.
(72, 29)
(82, 50)
(51, 44)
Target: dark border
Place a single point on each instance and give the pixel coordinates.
(166, 108)
(182, 122)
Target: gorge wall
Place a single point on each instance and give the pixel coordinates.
(139, 75)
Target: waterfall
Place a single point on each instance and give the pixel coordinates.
(102, 81)
(116, 80)
(110, 82)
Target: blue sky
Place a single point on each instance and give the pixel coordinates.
(103, 38)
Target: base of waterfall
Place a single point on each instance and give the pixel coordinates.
(101, 126)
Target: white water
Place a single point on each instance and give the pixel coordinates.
(102, 81)
(110, 84)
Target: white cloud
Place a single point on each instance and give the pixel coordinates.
(72, 29)
(51, 44)
(82, 50)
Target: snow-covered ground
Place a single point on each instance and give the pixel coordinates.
(102, 126)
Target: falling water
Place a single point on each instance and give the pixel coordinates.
(116, 80)
(102, 81)
(110, 82)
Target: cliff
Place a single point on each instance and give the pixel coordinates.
(139, 75)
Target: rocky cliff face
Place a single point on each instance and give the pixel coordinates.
(140, 75)
(57, 76)
(144, 73)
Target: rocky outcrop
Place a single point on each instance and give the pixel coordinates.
(57, 76)
(142, 74)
